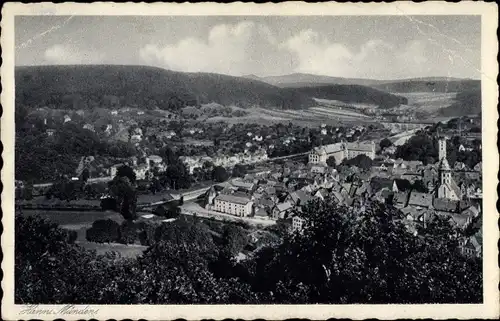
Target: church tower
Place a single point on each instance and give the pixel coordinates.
(445, 172)
(442, 148)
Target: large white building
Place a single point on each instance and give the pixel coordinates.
(234, 205)
(361, 148)
(341, 151)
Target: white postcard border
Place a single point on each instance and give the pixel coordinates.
(489, 66)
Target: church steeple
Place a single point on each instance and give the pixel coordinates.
(445, 171)
(442, 148)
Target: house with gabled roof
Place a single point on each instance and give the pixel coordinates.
(401, 185)
(472, 246)
(400, 199)
(281, 210)
(364, 190)
(378, 183)
(385, 195)
(337, 197)
(445, 205)
(321, 194)
(298, 198)
(460, 220)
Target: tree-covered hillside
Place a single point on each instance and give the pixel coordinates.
(466, 103)
(90, 86)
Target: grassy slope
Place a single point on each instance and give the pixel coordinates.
(353, 94)
(430, 85)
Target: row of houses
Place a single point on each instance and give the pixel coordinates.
(141, 170)
(193, 162)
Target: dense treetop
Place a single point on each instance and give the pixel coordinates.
(342, 256)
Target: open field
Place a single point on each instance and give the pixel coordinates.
(338, 103)
(42, 200)
(429, 101)
(74, 220)
(310, 117)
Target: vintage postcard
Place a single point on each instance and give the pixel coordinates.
(275, 161)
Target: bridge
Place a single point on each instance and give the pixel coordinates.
(405, 126)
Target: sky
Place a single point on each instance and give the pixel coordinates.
(375, 47)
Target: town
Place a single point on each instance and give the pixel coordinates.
(268, 173)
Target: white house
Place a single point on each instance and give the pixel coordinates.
(234, 205)
(297, 223)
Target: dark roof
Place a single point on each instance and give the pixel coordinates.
(233, 199)
(365, 187)
(300, 195)
(445, 205)
(323, 192)
(455, 187)
(377, 183)
(401, 198)
(385, 193)
(420, 199)
(402, 184)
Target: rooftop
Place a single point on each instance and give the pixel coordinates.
(233, 199)
(330, 149)
(420, 199)
(361, 146)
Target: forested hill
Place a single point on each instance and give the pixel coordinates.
(89, 86)
(430, 85)
(353, 94)
(465, 103)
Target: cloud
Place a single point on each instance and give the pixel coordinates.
(228, 49)
(252, 48)
(68, 55)
(373, 59)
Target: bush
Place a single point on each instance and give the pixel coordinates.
(147, 232)
(384, 143)
(129, 232)
(160, 211)
(104, 231)
(72, 236)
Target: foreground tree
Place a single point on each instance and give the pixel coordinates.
(362, 161)
(219, 174)
(384, 143)
(124, 192)
(331, 161)
(343, 256)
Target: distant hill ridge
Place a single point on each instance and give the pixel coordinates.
(422, 84)
(109, 86)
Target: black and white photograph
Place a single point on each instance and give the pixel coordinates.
(249, 160)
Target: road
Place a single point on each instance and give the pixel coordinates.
(285, 157)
